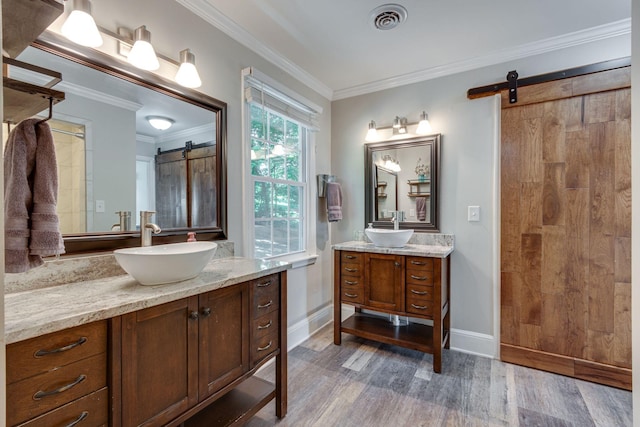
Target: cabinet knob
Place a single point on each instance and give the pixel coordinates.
(193, 315)
(397, 264)
(205, 312)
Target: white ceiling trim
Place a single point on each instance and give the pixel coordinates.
(601, 32)
(213, 16)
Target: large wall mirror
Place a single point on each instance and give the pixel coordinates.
(112, 161)
(402, 175)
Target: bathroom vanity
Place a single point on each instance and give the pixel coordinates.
(113, 352)
(412, 281)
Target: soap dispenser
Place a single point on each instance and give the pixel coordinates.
(191, 236)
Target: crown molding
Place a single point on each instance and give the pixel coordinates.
(209, 13)
(590, 35)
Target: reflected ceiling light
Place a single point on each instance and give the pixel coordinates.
(159, 122)
(390, 163)
(424, 127)
(80, 27)
(399, 127)
(187, 74)
(372, 133)
(142, 54)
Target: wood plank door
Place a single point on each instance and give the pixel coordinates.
(566, 227)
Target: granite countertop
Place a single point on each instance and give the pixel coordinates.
(37, 312)
(436, 251)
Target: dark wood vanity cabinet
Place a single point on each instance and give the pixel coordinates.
(403, 285)
(181, 361)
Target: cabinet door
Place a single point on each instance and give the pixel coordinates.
(159, 362)
(224, 337)
(384, 281)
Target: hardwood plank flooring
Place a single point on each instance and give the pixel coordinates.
(365, 383)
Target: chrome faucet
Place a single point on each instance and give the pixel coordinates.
(397, 217)
(125, 221)
(146, 227)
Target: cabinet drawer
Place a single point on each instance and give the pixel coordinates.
(352, 258)
(265, 325)
(419, 292)
(42, 354)
(419, 263)
(266, 296)
(348, 282)
(41, 393)
(352, 270)
(263, 346)
(422, 307)
(89, 411)
(352, 294)
(419, 277)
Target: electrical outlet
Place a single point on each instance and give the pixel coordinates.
(100, 206)
(473, 213)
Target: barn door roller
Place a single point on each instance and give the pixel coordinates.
(512, 78)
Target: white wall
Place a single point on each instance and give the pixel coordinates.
(467, 170)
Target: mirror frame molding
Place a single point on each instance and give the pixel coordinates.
(369, 179)
(107, 241)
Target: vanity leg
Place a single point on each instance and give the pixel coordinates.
(437, 320)
(337, 305)
(281, 358)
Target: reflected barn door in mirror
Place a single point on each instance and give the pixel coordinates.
(114, 101)
(412, 167)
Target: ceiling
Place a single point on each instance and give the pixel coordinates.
(331, 46)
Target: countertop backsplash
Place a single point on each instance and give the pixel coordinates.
(78, 269)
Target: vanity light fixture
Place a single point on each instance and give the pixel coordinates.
(187, 74)
(399, 127)
(142, 54)
(390, 163)
(159, 122)
(79, 27)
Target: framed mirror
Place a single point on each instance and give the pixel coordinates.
(113, 163)
(408, 170)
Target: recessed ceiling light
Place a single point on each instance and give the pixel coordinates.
(388, 16)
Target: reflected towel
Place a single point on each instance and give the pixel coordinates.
(421, 208)
(334, 201)
(30, 196)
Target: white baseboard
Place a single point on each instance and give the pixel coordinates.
(301, 331)
(473, 343)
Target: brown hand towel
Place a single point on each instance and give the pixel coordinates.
(30, 196)
(421, 208)
(334, 201)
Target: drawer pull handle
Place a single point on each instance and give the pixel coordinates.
(41, 353)
(413, 291)
(266, 347)
(75, 422)
(350, 256)
(351, 270)
(41, 394)
(349, 282)
(264, 284)
(267, 305)
(418, 263)
(346, 294)
(419, 277)
(268, 325)
(419, 307)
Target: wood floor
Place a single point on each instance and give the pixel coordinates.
(363, 383)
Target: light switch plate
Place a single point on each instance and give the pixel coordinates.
(100, 206)
(473, 213)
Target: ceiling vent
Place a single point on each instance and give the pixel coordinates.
(387, 16)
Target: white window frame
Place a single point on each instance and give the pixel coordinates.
(301, 106)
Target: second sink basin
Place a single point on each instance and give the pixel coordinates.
(388, 238)
(156, 265)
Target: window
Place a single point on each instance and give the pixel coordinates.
(278, 134)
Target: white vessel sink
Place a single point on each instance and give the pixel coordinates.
(156, 265)
(388, 238)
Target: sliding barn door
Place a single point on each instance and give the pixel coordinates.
(566, 227)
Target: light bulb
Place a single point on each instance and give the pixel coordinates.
(372, 133)
(142, 54)
(80, 27)
(424, 127)
(187, 74)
